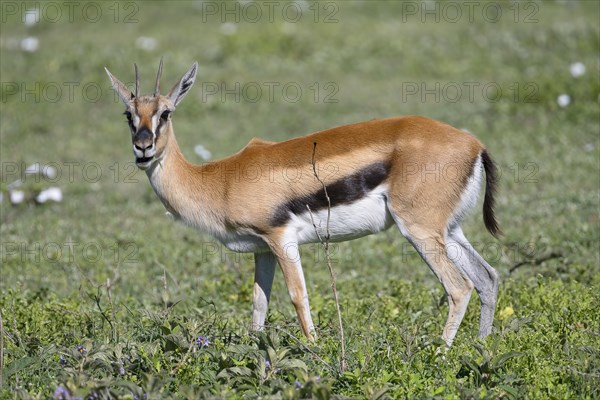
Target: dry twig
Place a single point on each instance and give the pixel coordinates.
(325, 244)
(535, 261)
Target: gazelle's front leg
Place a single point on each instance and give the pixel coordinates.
(288, 256)
(264, 270)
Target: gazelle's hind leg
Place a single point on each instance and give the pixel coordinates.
(483, 276)
(430, 244)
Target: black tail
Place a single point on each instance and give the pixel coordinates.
(491, 184)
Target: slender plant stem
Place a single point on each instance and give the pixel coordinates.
(325, 244)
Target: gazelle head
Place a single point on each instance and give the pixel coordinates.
(149, 116)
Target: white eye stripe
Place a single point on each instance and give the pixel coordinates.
(157, 121)
(155, 118)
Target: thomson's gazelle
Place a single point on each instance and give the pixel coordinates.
(413, 172)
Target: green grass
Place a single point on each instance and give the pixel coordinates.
(104, 268)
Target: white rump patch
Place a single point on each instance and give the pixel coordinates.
(469, 197)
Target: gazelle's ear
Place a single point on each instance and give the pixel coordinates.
(124, 93)
(178, 92)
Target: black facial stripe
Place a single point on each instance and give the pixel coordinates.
(129, 120)
(160, 124)
(344, 191)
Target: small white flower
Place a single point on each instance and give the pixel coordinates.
(46, 170)
(52, 193)
(589, 147)
(31, 17)
(30, 44)
(16, 196)
(577, 69)
(563, 100)
(146, 43)
(203, 152)
(49, 171)
(228, 28)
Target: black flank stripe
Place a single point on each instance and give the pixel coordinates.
(344, 191)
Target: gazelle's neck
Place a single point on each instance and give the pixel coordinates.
(186, 192)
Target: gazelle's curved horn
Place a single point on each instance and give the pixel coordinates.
(137, 81)
(157, 87)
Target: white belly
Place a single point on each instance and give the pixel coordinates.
(349, 221)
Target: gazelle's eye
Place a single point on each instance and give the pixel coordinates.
(165, 115)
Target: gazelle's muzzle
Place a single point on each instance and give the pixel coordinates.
(144, 148)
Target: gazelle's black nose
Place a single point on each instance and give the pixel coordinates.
(146, 146)
(143, 139)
